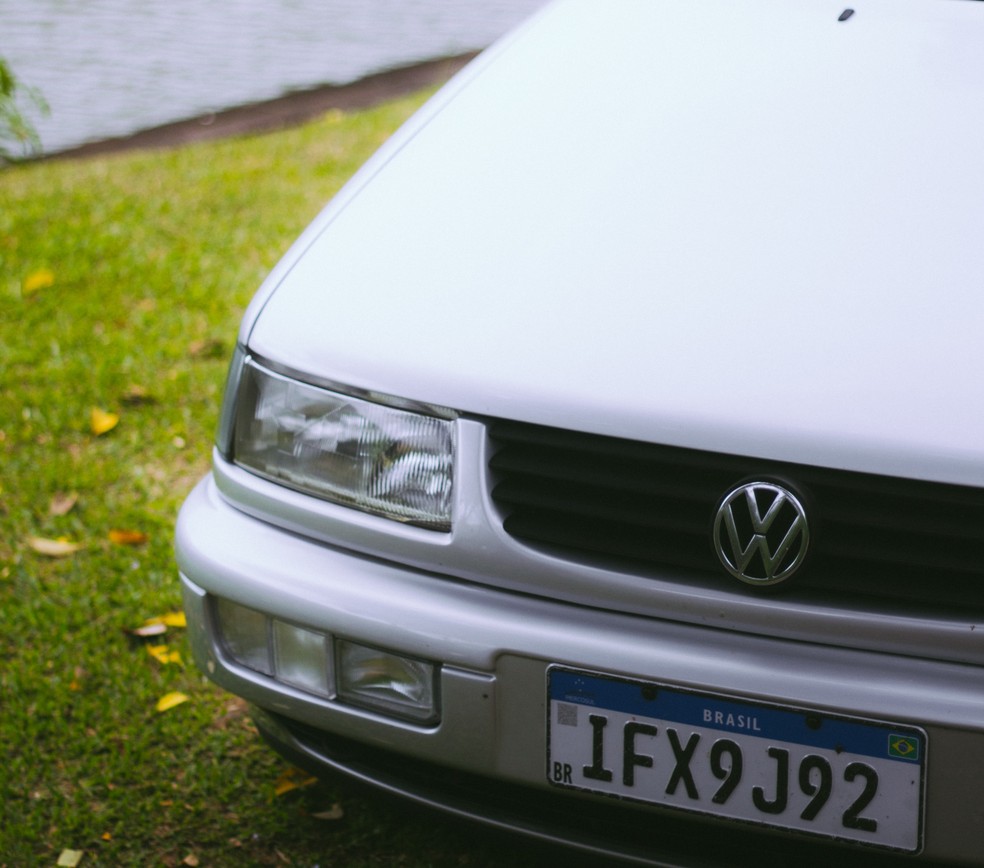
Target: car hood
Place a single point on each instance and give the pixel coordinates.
(746, 227)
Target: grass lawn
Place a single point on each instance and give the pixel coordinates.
(122, 281)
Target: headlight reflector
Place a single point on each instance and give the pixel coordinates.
(384, 460)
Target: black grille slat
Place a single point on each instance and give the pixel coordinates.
(921, 510)
(875, 537)
(631, 509)
(598, 539)
(934, 526)
(621, 476)
(902, 552)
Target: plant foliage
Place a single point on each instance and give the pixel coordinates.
(18, 138)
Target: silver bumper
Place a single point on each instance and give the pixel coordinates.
(494, 648)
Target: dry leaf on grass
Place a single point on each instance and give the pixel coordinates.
(164, 655)
(53, 548)
(170, 700)
(63, 503)
(158, 625)
(69, 858)
(40, 279)
(148, 631)
(102, 422)
(137, 396)
(127, 537)
(335, 812)
(191, 860)
(293, 779)
(235, 710)
(76, 683)
(210, 348)
(171, 619)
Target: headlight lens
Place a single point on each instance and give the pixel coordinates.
(380, 459)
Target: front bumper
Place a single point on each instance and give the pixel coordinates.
(495, 647)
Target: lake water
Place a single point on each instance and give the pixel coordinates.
(112, 67)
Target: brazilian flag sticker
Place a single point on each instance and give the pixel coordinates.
(903, 747)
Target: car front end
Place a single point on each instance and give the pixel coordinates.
(606, 462)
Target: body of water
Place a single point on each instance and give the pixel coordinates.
(113, 67)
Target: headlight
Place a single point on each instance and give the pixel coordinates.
(384, 460)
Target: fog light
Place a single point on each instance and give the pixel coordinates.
(386, 682)
(245, 634)
(301, 657)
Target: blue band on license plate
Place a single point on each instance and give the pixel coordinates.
(791, 768)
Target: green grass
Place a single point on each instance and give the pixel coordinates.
(145, 264)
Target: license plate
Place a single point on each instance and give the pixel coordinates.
(789, 768)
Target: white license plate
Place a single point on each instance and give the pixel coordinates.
(790, 768)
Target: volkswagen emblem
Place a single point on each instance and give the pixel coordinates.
(761, 534)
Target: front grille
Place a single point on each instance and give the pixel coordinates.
(629, 503)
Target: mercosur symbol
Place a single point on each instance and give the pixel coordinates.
(761, 534)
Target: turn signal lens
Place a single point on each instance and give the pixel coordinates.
(245, 634)
(301, 658)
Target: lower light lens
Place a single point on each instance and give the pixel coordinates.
(379, 680)
(301, 658)
(385, 682)
(245, 633)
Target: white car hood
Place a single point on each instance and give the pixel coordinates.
(746, 227)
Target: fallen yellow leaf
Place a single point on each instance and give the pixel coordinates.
(170, 700)
(171, 619)
(53, 548)
(69, 858)
(293, 779)
(40, 279)
(191, 860)
(127, 537)
(164, 655)
(101, 422)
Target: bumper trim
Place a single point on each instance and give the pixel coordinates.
(599, 829)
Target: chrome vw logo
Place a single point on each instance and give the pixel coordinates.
(761, 535)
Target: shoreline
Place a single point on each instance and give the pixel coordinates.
(291, 109)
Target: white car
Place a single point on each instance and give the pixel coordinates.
(606, 462)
